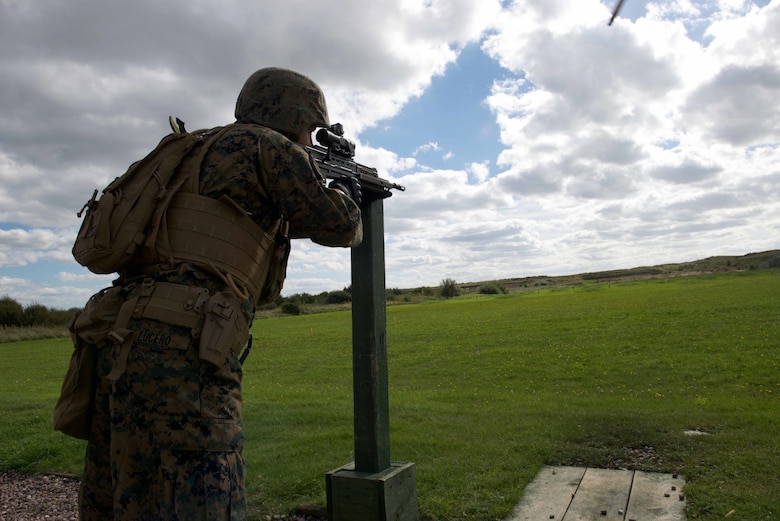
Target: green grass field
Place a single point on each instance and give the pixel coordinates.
(484, 390)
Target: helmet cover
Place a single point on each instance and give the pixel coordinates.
(283, 100)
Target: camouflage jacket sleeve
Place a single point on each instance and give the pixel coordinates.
(269, 175)
(295, 186)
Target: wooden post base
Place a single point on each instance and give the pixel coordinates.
(388, 495)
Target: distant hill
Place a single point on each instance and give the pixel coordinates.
(751, 261)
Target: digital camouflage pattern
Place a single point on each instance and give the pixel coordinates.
(288, 182)
(167, 437)
(283, 100)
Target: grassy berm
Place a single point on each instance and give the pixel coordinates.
(677, 374)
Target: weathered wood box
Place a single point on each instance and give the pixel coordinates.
(389, 495)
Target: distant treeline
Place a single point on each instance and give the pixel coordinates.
(13, 314)
(616, 274)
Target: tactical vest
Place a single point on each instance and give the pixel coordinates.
(152, 215)
(219, 236)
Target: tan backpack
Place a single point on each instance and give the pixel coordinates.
(134, 219)
(116, 225)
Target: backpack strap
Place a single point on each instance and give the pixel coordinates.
(185, 179)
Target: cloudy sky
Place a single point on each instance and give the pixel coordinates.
(532, 137)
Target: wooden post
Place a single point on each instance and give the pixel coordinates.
(369, 345)
(372, 488)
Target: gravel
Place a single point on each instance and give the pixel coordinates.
(53, 497)
(35, 497)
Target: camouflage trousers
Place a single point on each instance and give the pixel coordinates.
(166, 440)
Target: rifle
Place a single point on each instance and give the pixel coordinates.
(334, 157)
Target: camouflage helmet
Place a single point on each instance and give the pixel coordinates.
(283, 100)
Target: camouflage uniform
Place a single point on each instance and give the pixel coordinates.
(166, 439)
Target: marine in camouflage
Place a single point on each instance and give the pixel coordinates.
(167, 439)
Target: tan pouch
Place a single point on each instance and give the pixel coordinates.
(73, 412)
(99, 316)
(276, 266)
(88, 330)
(225, 329)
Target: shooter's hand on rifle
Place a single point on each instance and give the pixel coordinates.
(350, 186)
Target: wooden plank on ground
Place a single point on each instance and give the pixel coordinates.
(549, 494)
(602, 495)
(656, 496)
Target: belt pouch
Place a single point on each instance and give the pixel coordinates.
(225, 329)
(88, 329)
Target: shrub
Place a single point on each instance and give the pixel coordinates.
(338, 297)
(291, 308)
(302, 298)
(37, 315)
(11, 312)
(774, 262)
(61, 317)
(449, 288)
(492, 289)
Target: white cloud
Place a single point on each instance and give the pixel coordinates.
(384, 161)
(8, 284)
(650, 139)
(427, 147)
(480, 172)
(19, 247)
(84, 276)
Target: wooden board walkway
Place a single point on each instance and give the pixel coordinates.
(580, 494)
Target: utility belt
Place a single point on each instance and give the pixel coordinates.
(216, 321)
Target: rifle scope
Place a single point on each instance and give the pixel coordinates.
(335, 143)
